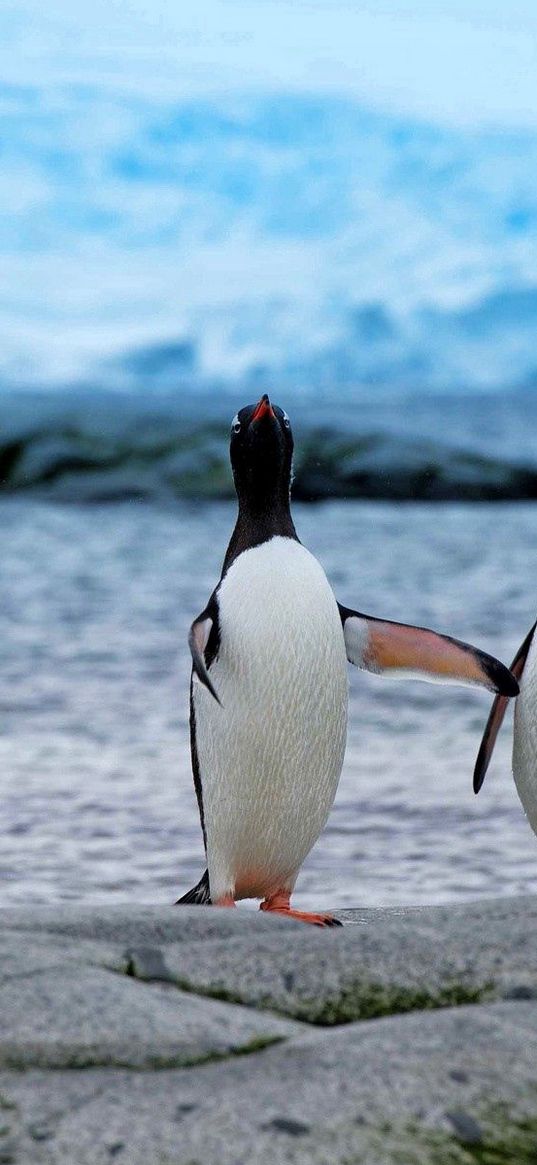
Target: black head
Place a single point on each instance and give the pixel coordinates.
(261, 451)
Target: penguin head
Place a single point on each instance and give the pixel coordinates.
(261, 451)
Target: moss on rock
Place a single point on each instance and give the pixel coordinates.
(374, 1000)
(356, 1001)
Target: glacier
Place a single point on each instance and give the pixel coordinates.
(301, 240)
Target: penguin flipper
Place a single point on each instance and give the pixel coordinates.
(378, 645)
(497, 713)
(197, 641)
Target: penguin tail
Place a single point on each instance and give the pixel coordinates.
(199, 895)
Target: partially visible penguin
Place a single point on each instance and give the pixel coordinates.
(269, 683)
(524, 668)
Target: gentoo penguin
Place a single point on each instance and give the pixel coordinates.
(524, 668)
(269, 683)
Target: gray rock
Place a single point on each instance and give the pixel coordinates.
(141, 925)
(387, 961)
(22, 953)
(105, 989)
(371, 1093)
(79, 1017)
(394, 961)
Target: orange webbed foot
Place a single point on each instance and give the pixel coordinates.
(280, 904)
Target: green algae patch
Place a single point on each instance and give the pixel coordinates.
(251, 1048)
(82, 1060)
(356, 1001)
(377, 1000)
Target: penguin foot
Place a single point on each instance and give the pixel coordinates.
(280, 904)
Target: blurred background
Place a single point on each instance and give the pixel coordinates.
(331, 201)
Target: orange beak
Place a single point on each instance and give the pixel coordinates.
(263, 409)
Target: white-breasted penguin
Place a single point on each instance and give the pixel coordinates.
(524, 763)
(269, 687)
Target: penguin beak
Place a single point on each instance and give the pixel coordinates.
(263, 410)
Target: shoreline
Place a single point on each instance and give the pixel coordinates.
(91, 446)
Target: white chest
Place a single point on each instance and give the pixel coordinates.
(271, 756)
(525, 737)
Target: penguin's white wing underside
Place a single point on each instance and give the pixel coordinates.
(497, 713)
(198, 637)
(377, 645)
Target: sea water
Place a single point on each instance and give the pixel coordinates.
(97, 798)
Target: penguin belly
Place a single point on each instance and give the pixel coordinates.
(270, 756)
(525, 737)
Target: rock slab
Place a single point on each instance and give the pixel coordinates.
(198, 1036)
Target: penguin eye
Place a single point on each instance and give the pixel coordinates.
(286, 421)
(235, 424)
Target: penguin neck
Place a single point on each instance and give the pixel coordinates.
(258, 522)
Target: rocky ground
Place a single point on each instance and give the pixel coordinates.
(194, 1036)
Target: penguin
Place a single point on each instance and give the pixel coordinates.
(524, 760)
(269, 688)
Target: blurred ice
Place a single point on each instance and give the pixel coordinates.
(309, 193)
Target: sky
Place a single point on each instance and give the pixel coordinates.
(471, 63)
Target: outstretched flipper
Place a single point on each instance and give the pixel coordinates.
(377, 645)
(497, 713)
(198, 638)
